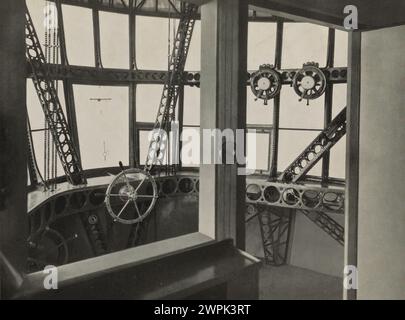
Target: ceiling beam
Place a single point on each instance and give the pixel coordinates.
(300, 13)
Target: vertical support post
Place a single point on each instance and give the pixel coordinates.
(133, 130)
(132, 35)
(96, 33)
(352, 155)
(330, 60)
(181, 122)
(13, 139)
(224, 26)
(276, 106)
(61, 34)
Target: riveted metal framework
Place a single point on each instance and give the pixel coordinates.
(275, 228)
(52, 108)
(274, 200)
(316, 149)
(166, 111)
(295, 196)
(157, 8)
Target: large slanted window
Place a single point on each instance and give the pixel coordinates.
(147, 102)
(37, 10)
(261, 41)
(190, 155)
(258, 150)
(148, 96)
(304, 42)
(42, 139)
(152, 53)
(114, 40)
(299, 124)
(79, 35)
(102, 120)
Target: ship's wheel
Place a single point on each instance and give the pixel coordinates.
(131, 196)
(48, 247)
(309, 82)
(265, 83)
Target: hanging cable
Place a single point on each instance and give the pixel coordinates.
(51, 48)
(46, 131)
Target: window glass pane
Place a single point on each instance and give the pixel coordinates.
(79, 35)
(291, 144)
(44, 13)
(339, 98)
(193, 62)
(261, 44)
(143, 146)
(102, 120)
(147, 102)
(152, 43)
(191, 106)
(37, 10)
(341, 48)
(257, 112)
(338, 160)
(114, 34)
(37, 122)
(258, 154)
(190, 152)
(304, 42)
(34, 108)
(38, 138)
(296, 114)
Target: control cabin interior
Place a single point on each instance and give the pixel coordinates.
(207, 149)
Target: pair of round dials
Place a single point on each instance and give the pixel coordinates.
(309, 83)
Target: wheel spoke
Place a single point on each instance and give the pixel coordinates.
(144, 196)
(137, 188)
(123, 208)
(137, 210)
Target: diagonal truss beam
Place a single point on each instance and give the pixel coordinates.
(166, 111)
(316, 150)
(52, 108)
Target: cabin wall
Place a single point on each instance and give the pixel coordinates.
(381, 217)
(315, 250)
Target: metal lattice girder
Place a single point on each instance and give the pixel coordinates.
(166, 112)
(316, 150)
(52, 108)
(275, 225)
(112, 76)
(307, 196)
(327, 224)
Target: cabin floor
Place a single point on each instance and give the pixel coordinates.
(293, 283)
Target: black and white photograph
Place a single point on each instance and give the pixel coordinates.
(219, 152)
